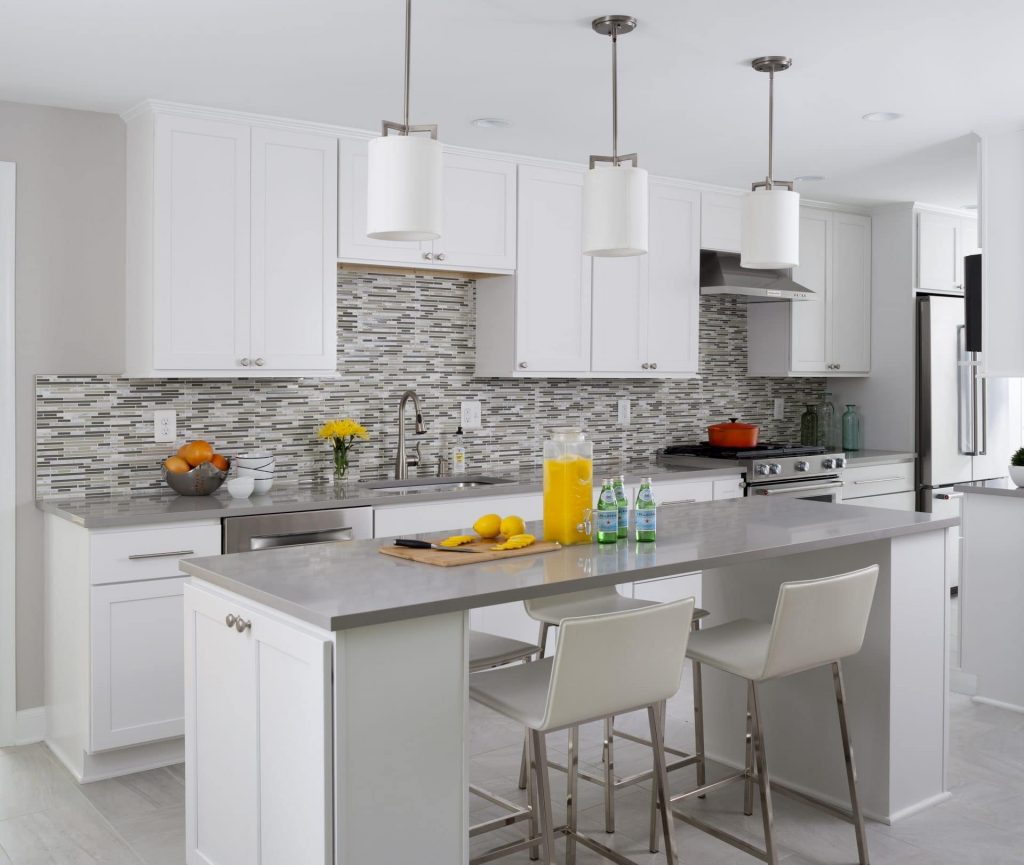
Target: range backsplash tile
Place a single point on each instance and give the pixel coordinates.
(94, 434)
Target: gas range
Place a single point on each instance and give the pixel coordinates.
(771, 468)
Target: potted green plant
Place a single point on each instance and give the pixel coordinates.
(1017, 467)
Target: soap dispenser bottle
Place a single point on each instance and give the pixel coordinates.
(459, 453)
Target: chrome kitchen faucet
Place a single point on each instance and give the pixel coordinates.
(403, 462)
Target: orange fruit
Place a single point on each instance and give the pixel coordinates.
(220, 462)
(196, 453)
(176, 464)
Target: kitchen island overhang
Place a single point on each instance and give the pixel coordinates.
(392, 651)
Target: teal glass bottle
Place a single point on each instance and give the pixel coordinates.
(645, 512)
(607, 514)
(623, 505)
(851, 428)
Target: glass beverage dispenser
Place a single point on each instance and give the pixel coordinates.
(568, 486)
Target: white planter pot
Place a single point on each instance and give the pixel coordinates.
(1017, 475)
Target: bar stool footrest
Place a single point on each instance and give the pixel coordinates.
(722, 835)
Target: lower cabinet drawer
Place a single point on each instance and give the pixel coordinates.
(860, 481)
(893, 501)
(137, 663)
(149, 553)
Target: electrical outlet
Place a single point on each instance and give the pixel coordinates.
(779, 411)
(471, 418)
(165, 425)
(624, 412)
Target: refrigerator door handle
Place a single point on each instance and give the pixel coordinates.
(980, 383)
(966, 419)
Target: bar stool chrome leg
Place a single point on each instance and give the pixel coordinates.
(523, 766)
(531, 801)
(660, 781)
(748, 784)
(609, 775)
(572, 794)
(698, 714)
(763, 782)
(540, 770)
(851, 769)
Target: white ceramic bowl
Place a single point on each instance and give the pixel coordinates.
(241, 487)
(1017, 475)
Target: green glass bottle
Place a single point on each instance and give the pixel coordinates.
(646, 514)
(607, 515)
(623, 503)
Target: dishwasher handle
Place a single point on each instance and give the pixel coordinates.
(294, 539)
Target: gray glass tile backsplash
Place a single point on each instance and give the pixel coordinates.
(94, 434)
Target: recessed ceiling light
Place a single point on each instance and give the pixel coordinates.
(491, 123)
(881, 116)
(809, 178)
(969, 206)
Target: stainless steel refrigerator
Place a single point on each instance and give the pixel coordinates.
(965, 428)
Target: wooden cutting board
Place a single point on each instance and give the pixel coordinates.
(486, 554)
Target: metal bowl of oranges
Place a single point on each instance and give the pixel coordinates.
(195, 470)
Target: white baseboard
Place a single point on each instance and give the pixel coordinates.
(30, 726)
(999, 704)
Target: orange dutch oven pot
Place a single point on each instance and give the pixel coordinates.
(733, 434)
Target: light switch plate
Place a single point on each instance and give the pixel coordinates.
(165, 425)
(471, 415)
(779, 409)
(624, 412)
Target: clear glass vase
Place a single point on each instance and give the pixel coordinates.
(851, 428)
(809, 426)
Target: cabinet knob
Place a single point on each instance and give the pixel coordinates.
(244, 361)
(645, 366)
(259, 361)
(654, 366)
(230, 620)
(429, 256)
(522, 364)
(440, 256)
(242, 625)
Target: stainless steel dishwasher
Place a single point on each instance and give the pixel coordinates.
(266, 531)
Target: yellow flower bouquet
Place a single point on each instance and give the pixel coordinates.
(343, 434)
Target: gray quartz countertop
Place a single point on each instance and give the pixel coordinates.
(996, 487)
(121, 511)
(878, 458)
(347, 585)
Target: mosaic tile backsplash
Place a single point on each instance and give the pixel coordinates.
(94, 434)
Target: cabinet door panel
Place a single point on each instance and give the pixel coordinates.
(851, 293)
(294, 265)
(201, 251)
(809, 318)
(721, 221)
(673, 309)
(937, 252)
(137, 664)
(353, 244)
(479, 228)
(619, 335)
(553, 294)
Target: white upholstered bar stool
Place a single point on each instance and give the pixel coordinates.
(550, 612)
(603, 665)
(487, 651)
(816, 623)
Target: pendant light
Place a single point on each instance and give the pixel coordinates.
(404, 174)
(615, 197)
(771, 213)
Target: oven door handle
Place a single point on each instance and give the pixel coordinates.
(782, 490)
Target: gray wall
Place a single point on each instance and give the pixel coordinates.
(69, 301)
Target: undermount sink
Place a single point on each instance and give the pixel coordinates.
(437, 485)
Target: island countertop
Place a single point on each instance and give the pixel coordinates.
(348, 585)
(994, 487)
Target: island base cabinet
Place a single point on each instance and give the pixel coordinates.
(259, 753)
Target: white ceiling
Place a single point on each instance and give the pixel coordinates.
(690, 104)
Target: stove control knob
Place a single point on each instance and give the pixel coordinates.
(830, 463)
(803, 466)
(775, 469)
(761, 468)
(840, 462)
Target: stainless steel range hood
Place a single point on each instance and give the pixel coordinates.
(720, 273)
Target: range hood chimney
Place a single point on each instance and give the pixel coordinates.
(720, 273)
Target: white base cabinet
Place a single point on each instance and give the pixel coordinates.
(830, 334)
(114, 661)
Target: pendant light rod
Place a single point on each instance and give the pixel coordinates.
(408, 64)
(771, 65)
(614, 25)
(615, 93)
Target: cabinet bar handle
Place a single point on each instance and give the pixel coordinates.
(879, 480)
(170, 555)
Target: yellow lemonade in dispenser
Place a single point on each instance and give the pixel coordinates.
(568, 486)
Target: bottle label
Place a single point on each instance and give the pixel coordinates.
(608, 497)
(607, 521)
(646, 496)
(646, 519)
(623, 516)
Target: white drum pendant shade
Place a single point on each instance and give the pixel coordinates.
(404, 188)
(771, 229)
(615, 211)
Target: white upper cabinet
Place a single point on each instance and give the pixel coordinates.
(721, 221)
(230, 247)
(830, 334)
(478, 225)
(942, 240)
(621, 297)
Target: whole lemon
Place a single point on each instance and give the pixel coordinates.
(488, 526)
(512, 525)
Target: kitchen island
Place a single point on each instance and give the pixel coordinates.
(326, 686)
